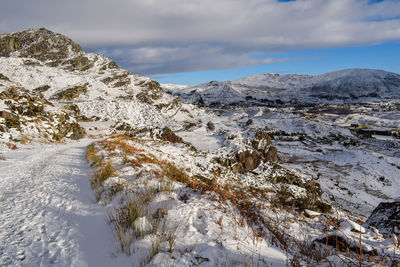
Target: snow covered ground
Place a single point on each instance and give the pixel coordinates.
(48, 214)
(230, 203)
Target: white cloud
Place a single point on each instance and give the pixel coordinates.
(184, 35)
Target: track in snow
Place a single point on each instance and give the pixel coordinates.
(47, 213)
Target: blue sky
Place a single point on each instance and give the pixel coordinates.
(384, 56)
(195, 41)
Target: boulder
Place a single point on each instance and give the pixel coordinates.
(272, 154)
(210, 126)
(347, 225)
(385, 218)
(243, 161)
(249, 159)
(166, 134)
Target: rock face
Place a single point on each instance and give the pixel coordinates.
(385, 218)
(48, 47)
(72, 92)
(151, 91)
(40, 44)
(262, 143)
(26, 113)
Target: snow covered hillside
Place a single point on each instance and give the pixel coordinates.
(245, 174)
(339, 87)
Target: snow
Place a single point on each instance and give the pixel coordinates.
(48, 216)
(345, 86)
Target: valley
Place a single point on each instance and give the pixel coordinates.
(267, 170)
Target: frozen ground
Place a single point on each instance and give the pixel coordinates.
(48, 216)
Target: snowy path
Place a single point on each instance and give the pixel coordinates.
(47, 213)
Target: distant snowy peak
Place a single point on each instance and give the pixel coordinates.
(345, 86)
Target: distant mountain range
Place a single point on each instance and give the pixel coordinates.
(271, 89)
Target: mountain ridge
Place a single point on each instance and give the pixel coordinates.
(271, 89)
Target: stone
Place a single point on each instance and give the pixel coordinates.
(312, 214)
(347, 225)
(249, 159)
(210, 126)
(4, 78)
(168, 135)
(385, 218)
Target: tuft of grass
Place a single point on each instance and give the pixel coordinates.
(106, 171)
(91, 155)
(155, 248)
(122, 219)
(175, 174)
(125, 158)
(165, 185)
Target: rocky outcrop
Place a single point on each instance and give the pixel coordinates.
(151, 91)
(71, 130)
(25, 111)
(272, 154)
(118, 80)
(71, 93)
(385, 218)
(245, 161)
(261, 142)
(259, 150)
(166, 134)
(48, 47)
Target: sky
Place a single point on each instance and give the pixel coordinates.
(195, 41)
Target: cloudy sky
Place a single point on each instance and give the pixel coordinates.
(191, 41)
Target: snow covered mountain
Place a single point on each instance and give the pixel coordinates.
(345, 86)
(50, 67)
(184, 185)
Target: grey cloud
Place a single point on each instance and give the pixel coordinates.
(159, 36)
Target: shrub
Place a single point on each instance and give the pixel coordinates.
(175, 174)
(91, 156)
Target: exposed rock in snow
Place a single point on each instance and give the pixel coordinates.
(385, 218)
